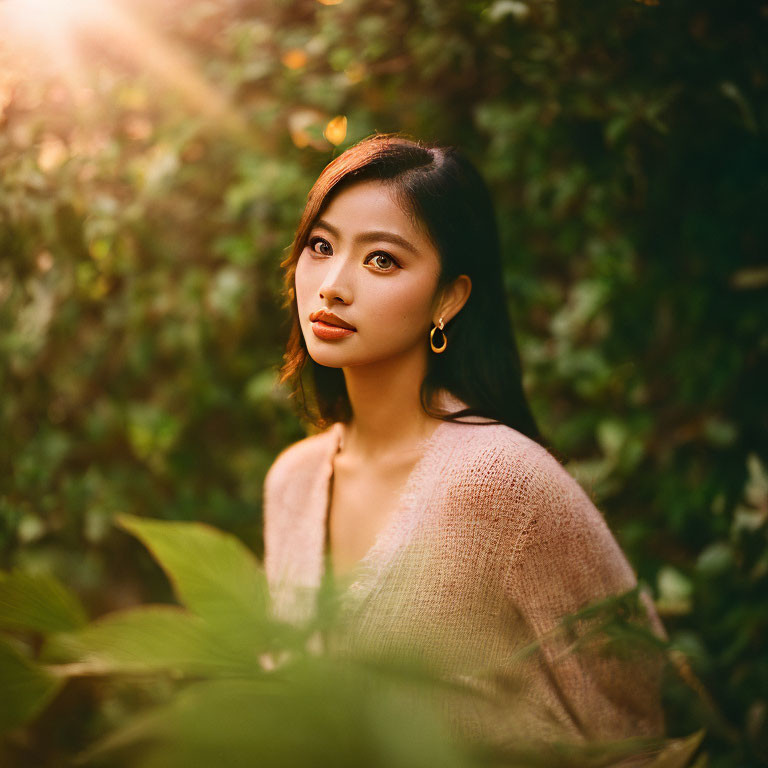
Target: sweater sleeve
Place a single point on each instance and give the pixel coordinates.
(564, 559)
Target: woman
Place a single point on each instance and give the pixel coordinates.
(429, 491)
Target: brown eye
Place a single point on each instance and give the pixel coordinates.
(314, 240)
(379, 255)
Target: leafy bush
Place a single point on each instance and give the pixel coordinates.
(226, 683)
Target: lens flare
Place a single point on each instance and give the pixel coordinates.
(57, 36)
(52, 18)
(51, 27)
(47, 32)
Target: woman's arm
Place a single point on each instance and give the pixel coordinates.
(564, 559)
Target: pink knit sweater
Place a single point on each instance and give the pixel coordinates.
(491, 544)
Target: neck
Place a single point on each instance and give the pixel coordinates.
(387, 419)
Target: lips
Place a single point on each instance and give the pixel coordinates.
(330, 319)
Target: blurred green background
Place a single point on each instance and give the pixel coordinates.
(155, 159)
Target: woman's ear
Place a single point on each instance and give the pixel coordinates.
(454, 297)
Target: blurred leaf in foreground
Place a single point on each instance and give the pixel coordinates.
(152, 638)
(25, 688)
(38, 603)
(213, 574)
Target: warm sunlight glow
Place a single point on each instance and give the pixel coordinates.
(48, 31)
(55, 35)
(53, 21)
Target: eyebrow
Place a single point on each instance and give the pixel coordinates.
(372, 236)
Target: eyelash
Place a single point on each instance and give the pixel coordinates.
(313, 240)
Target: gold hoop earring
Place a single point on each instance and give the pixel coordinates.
(432, 336)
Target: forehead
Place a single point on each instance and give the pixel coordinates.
(372, 205)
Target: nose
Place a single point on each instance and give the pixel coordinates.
(334, 285)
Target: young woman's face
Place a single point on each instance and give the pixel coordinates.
(365, 262)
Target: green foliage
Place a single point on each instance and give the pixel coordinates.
(227, 704)
(213, 574)
(153, 638)
(38, 603)
(26, 688)
(322, 716)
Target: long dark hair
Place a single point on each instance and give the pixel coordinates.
(441, 189)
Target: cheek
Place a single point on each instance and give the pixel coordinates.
(302, 280)
(403, 303)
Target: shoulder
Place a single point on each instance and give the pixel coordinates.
(500, 457)
(553, 537)
(519, 477)
(297, 463)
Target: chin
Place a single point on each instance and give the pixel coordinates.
(327, 360)
(329, 357)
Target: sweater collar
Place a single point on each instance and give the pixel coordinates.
(364, 577)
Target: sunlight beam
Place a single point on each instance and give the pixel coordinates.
(52, 32)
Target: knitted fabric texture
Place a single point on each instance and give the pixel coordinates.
(492, 543)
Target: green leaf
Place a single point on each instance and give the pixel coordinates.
(39, 603)
(212, 572)
(675, 591)
(314, 713)
(678, 752)
(233, 719)
(149, 638)
(25, 687)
